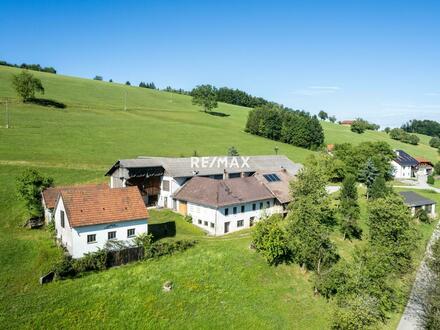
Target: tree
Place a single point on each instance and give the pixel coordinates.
(422, 216)
(127, 83)
(427, 127)
(430, 179)
(30, 185)
(368, 175)
(387, 130)
(310, 220)
(205, 96)
(378, 188)
(391, 230)
(332, 119)
(435, 142)
(142, 84)
(111, 80)
(437, 168)
(98, 78)
(349, 208)
(232, 151)
(26, 85)
(322, 115)
(358, 127)
(269, 239)
(397, 133)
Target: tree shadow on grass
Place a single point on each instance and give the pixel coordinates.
(47, 103)
(162, 230)
(217, 114)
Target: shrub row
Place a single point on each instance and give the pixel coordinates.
(107, 257)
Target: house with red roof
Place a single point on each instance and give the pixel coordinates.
(87, 218)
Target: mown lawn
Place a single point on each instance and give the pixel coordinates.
(220, 283)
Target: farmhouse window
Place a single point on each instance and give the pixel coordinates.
(199, 222)
(240, 223)
(205, 223)
(254, 207)
(91, 238)
(111, 235)
(212, 224)
(268, 204)
(242, 208)
(226, 211)
(261, 205)
(130, 232)
(234, 210)
(166, 185)
(62, 218)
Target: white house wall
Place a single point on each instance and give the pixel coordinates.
(64, 235)
(175, 184)
(401, 172)
(79, 235)
(213, 220)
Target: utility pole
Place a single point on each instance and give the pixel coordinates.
(7, 113)
(125, 100)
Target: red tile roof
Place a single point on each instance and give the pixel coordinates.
(85, 207)
(347, 122)
(50, 195)
(422, 160)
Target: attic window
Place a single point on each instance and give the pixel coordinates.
(271, 177)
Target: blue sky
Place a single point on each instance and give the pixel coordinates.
(374, 59)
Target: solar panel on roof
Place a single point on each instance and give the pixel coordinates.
(271, 177)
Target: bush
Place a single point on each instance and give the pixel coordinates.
(437, 168)
(30, 184)
(64, 267)
(422, 216)
(431, 179)
(188, 218)
(159, 249)
(91, 261)
(435, 142)
(269, 239)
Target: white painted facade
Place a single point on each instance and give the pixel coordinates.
(165, 199)
(402, 172)
(215, 221)
(75, 240)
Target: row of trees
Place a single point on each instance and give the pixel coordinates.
(33, 67)
(363, 286)
(142, 84)
(298, 128)
(403, 136)
(427, 127)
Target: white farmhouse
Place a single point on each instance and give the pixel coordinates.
(158, 178)
(223, 206)
(50, 196)
(405, 166)
(85, 219)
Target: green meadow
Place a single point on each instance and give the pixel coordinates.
(220, 283)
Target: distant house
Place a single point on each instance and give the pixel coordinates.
(50, 195)
(348, 122)
(415, 202)
(425, 167)
(405, 166)
(86, 218)
(223, 206)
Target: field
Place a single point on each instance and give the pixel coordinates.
(219, 283)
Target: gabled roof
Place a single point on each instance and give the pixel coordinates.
(181, 167)
(411, 198)
(50, 195)
(219, 193)
(404, 159)
(423, 161)
(280, 189)
(85, 207)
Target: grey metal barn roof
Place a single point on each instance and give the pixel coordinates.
(412, 199)
(181, 167)
(405, 159)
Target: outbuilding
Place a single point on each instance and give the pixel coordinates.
(416, 202)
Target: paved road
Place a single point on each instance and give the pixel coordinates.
(411, 318)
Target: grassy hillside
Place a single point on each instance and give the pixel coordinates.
(220, 283)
